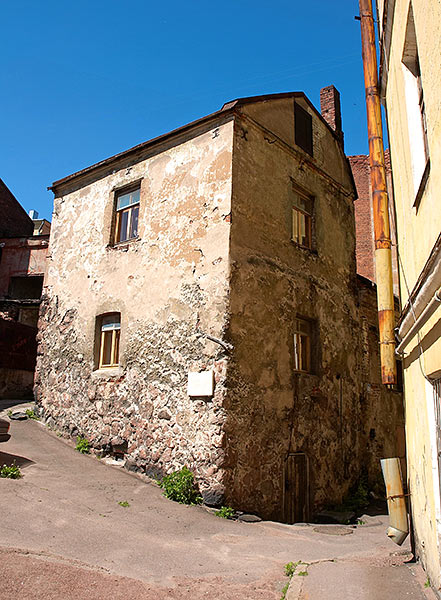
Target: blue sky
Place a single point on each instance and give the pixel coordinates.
(82, 81)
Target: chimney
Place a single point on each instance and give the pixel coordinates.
(330, 109)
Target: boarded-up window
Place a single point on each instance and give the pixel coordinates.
(303, 128)
(26, 287)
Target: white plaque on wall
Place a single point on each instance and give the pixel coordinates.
(201, 384)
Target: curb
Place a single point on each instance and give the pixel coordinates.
(295, 588)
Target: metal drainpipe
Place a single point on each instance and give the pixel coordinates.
(383, 253)
(396, 504)
(421, 320)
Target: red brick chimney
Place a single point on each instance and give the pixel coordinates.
(330, 109)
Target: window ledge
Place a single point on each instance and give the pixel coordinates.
(422, 185)
(123, 246)
(304, 248)
(109, 373)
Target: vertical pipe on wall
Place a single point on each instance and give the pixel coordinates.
(396, 504)
(383, 252)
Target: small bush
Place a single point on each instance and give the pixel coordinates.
(124, 503)
(225, 512)
(290, 569)
(83, 445)
(12, 472)
(31, 414)
(180, 487)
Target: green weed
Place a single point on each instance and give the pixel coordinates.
(12, 472)
(427, 584)
(225, 512)
(290, 571)
(31, 414)
(83, 445)
(284, 590)
(180, 487)
(290, 568)
(124, 503)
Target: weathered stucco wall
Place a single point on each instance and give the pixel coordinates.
(171, 286)
(215, 256)
(273, 411)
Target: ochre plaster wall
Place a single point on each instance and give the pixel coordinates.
(418, 228)
(340, 416)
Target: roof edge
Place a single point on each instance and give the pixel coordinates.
(149, 143)
(227, 108)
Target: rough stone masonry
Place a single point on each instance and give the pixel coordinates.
(213, 282)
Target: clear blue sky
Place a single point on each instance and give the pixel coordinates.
(84, 80)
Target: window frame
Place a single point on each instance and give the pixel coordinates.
(130, 209)
(302, 204)
(115, 339)
(415, 110)
(298, 330)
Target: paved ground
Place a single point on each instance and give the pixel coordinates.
(64, 535)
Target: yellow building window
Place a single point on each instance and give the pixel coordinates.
(109, 340)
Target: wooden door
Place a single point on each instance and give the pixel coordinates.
(296, 488)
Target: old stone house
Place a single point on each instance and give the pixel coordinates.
(202, 308)
(23, 251)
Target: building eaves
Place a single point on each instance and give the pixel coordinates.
(144, 145)
(228, 108)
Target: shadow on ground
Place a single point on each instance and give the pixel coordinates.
(11, 459)
(6, 403)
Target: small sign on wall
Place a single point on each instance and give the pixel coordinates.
(201, 384)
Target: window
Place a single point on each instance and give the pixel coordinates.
(109, 333)
(302, 345)
(26, 287)
(127, 213)
(415, 108)
(302, 128)
(302, 220)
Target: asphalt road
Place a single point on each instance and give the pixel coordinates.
(63, 534)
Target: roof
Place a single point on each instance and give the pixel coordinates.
(14, 222)
(227, 109)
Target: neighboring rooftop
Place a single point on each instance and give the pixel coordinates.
(14, 221)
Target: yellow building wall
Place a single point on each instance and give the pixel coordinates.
(417, 231)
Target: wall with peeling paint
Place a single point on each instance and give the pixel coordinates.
(171, 286)
(214, 257)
